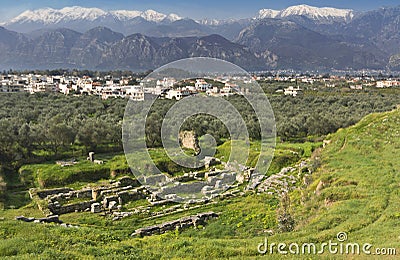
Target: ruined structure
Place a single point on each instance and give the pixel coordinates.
(182, 223)
(188, 140)
(65, 200)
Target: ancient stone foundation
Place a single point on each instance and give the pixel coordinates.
(49, 219)
(182, 223)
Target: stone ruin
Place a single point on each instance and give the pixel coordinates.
(49, 219)
(279, 183)
(91, 159)
(210, 186)
(286, 180)
(67, 163)
(111, 197)
(188, 139)
(182, 223)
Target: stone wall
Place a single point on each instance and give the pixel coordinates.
(109, 197)
(83, 194)
(182, 223)
(58, 209)
(49, 219)
(44, 193)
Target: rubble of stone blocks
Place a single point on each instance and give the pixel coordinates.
(57, 208)
(190, 204)
(119, 215)
(284, 181)
(42, 194)
(109, 197)
(66, 163)
(182, 223)
(213, 184)
(49, 219)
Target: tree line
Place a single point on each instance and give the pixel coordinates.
(47, 126)
(44, 126)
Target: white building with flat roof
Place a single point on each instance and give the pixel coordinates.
(177, 94)
(135, 93)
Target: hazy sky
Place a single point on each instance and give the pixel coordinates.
(193, 9)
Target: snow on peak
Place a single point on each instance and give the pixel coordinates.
(315, 13)
(49, 15)
(151, 15)
(173, 17)
(53, 16)
(76, 12)
(46, 14)
(267, 13)
(124, 15)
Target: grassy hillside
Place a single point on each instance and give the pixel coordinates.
(355, 190)
(358, 183)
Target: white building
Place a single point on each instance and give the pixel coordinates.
(112, 92)
(292, 91)
(12, 88)
(202, 85)
(212, 91)
(177, 94)
(41, 87)
(63, 88)
(228, 89)
(166, 82)
(387, 83)
(135, 93)
(86, 85)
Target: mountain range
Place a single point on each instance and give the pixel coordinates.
(298, 37)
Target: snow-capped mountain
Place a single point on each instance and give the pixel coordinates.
(124, 15)
(156, 24)
(323, 15)
(267, 13)
(49, 15)
(81, 18)
(299, 37)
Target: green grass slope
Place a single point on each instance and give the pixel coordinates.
(356, 190)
